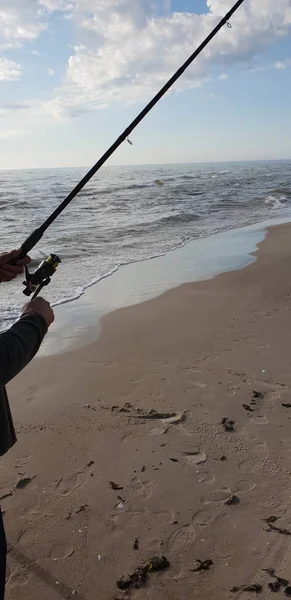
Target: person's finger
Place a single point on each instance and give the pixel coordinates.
(8, 274)
(4, 278)
(24, 261)
(5, 257)
(12, 270)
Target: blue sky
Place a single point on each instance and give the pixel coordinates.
(74, 73)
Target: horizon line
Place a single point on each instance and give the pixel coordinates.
(202, 162)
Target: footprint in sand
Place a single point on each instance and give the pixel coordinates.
(183, 537)
(259, 420)
(128, 519)
(136, 518)
(259, 455)
(60, 552)
(139, 489)
(195, 458)
(152, 546)
(21, 462)
(66, 485)
(159, 430)
(250, 436)
(274, 395)
(31, 392)
(18, 578)
(163, 517)
(205, 517)
(221, 496)
(192, 389)
(206, 478)
(216, 497)
(243, 486)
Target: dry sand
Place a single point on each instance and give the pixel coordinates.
(199, 351)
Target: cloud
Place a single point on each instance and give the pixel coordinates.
(57, 5)
(282, 64)
(25, 107)
(125, 53)
(51, 72)
(20, 21)
(9, 70)
(279, 64)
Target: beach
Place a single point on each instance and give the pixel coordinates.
(167, 436)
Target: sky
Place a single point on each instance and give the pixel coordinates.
(74, 73)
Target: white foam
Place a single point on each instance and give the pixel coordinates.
(276, 201)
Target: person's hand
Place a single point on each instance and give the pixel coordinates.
(8, 272)
(39, 306)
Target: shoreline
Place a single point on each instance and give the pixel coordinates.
(78, 321)
(212, 359)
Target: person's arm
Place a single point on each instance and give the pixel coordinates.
(19, 344)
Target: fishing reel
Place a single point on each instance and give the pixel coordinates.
(34, 282)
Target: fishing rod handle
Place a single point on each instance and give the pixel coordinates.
(29, 243)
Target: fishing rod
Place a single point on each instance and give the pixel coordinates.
(41, 277)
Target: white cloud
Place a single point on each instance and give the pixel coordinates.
(51, 72)
(125, 54)
(283, 64)
(9, 70)
(54, 5)
(20, 22)
(280, 65)
(25, 107)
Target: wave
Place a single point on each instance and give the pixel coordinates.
(179, 218)
(148, 226)
(276, 201)
(281, 192)
(137, 186)
(113, 190)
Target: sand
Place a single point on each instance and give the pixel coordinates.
(195, 355)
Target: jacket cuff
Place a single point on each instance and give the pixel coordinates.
(39, 320)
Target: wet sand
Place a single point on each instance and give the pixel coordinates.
(180, 404)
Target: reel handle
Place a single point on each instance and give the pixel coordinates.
(42, 285)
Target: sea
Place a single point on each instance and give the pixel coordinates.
(130, 214)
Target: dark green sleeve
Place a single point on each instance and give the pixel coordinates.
(19, 345)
